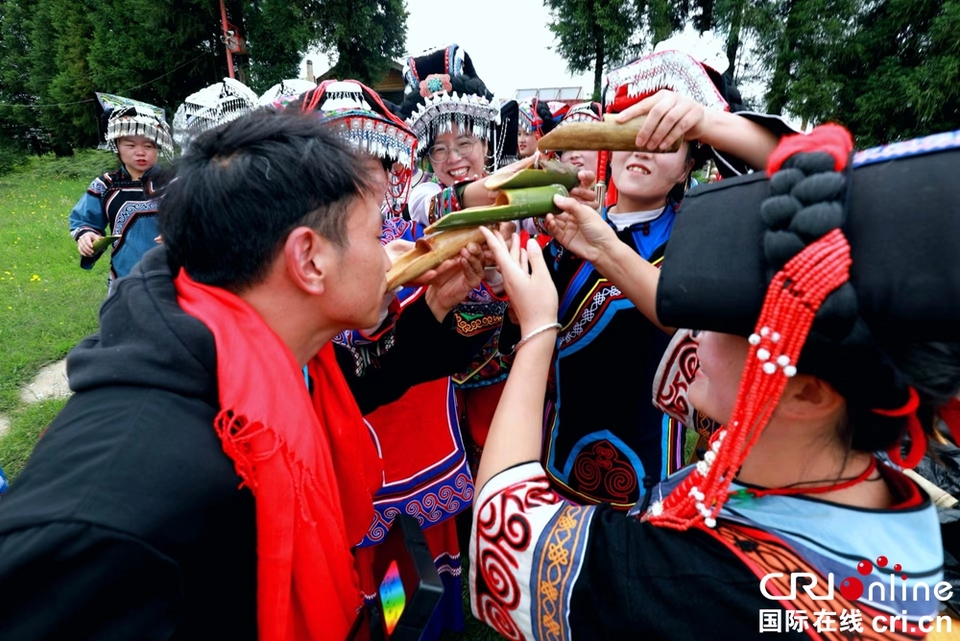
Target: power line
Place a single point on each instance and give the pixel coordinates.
(80, 102)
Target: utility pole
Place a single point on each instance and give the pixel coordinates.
(232, 40)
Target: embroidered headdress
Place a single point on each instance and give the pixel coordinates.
(820, 270)
(442, 90)
(583, 112)
(121, 117)
(539, 116)
(450, 60)
(359, 116)
(211, 107)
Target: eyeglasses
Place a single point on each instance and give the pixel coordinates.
(439, 153)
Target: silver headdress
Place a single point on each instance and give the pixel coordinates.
(583, 112)
(211, 107)
(371, 129)
(128, 117)
(285, 89)
(471, 113)
(530, 120)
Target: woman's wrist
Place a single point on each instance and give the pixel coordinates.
(531, 333)
(608, 254)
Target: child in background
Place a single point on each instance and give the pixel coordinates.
(125, 200)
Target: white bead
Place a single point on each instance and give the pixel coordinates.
(710, 522)
(790, 371)
(783, 360)
(769, 368)
(763, 354)
(775, 337)
(715, 446)
(754, 339)
(764, 331)
(709, 456)
(656, 508)
(703, 468)
(701, 507)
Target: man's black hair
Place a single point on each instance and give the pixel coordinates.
(243, 187)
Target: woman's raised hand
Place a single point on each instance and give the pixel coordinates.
(581, 229)
(527, 280)
(670, 117)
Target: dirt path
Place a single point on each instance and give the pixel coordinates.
(49, 383)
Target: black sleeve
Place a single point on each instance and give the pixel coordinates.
(424, 350)
(73, 580)
(639, 581)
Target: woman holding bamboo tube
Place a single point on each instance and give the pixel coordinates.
(604, 440)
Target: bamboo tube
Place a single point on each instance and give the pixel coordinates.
(102, 244)
(608, 135)
(429, 252)
(550, 172)
(510, 205)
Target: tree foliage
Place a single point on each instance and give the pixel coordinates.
(593, 34)
(367, 36)
(55, 53)
(888, 69)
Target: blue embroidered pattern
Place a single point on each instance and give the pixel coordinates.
(907, 148)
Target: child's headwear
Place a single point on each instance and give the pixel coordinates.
(120, 117)
(359, 116)
(819, 268)
(211, 107)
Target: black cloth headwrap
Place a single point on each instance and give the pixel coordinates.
(440, 61)
(903, 226)
(504, 147)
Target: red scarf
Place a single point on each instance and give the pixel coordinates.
(310, 463)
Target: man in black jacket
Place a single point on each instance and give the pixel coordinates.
(128, 521)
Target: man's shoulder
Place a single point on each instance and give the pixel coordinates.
(139, 460)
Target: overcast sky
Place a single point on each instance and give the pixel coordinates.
(508, 40)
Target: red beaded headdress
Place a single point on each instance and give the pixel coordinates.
(833, 308)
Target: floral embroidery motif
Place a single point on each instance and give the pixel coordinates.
(435, 83)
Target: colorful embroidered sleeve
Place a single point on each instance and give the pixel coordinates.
(421, 199)
(447, 201)
(527, 550)
(87, 215)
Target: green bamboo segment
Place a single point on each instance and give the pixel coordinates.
(551, 172)
(510, 205)
(102, 244)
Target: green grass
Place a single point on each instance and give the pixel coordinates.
(47, 303)
(25, 429)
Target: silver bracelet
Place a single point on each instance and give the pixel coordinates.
(538, 330)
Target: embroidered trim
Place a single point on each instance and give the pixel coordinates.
(557, 561)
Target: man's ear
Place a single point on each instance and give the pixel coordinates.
(309, 259)
(809, 398)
